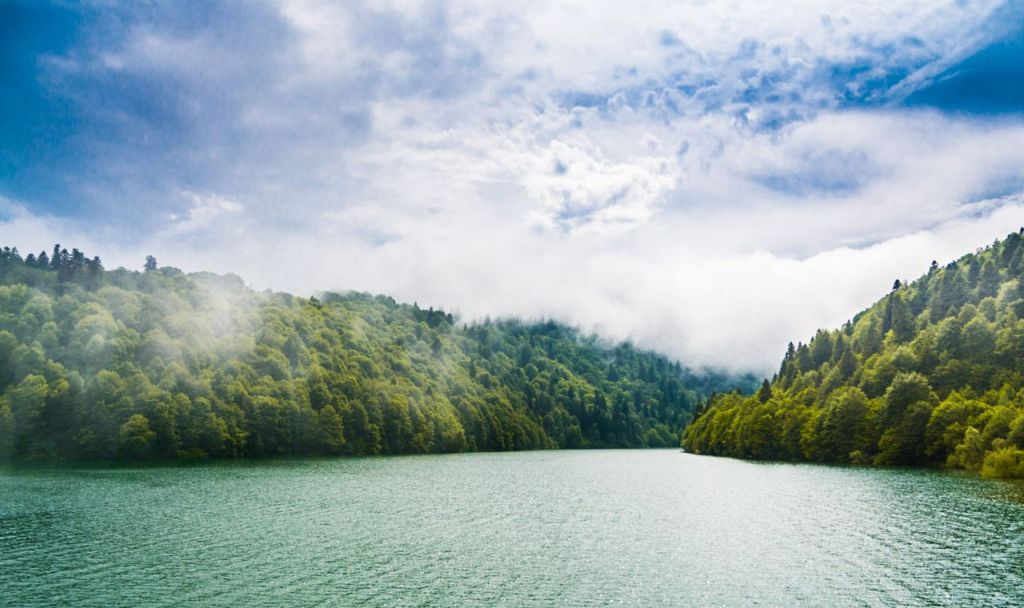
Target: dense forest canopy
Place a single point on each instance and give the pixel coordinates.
(98, 364)
(929, 375)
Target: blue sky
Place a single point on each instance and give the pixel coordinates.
(637, 170)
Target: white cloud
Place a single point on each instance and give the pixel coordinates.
(325, 32)
(204, 216)
(576, 189)
(679, 174)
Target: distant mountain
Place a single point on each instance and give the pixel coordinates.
(929, 375)
(98, 364)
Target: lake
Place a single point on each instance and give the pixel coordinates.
(570, 528)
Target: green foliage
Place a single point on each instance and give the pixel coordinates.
(101, 364)
(1004, 462)
(136, 437)
(6, 431)
(929, 375)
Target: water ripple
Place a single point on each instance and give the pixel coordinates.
(622, 528)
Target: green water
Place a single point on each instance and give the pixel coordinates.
(589, 528)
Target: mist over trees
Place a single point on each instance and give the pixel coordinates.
(929, 375)
(98, 364)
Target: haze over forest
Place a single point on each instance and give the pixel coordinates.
(708, 192)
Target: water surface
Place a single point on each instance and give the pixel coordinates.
(573, 528)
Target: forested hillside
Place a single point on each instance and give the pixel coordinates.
(98, 364)
(930, 374)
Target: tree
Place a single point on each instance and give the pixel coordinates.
(979, 341)
(150, 264)
(6, 431)
(1006, 463)
(955, 334)
(330, 430)
(948, 423)
(27, 402)
(989, 279)
(845, 426)
(902, 320)
(903, 443)
(106, 365)
(821, 348)
(905, 390)
(136, 437)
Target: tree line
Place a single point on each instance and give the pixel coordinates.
(929, 375)
(98, 364)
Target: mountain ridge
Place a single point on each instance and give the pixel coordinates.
(100, 365)
(930, 374)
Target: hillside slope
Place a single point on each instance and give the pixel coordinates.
(99, 364)
(929, 375)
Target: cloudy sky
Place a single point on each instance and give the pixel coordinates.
(711, 179)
